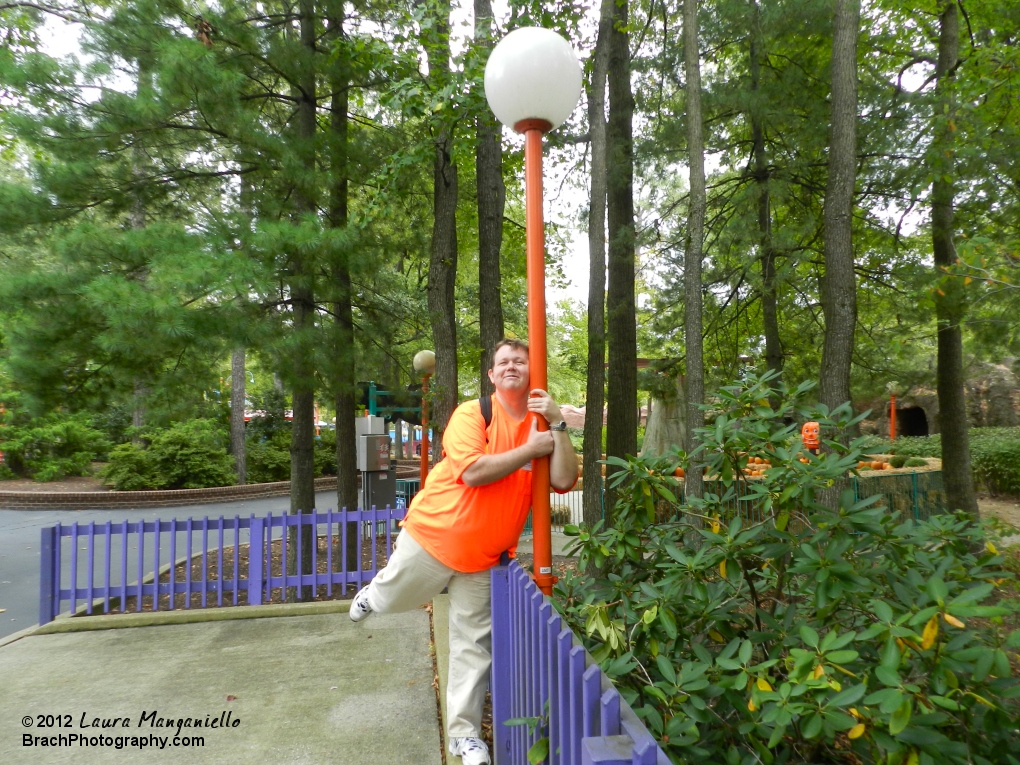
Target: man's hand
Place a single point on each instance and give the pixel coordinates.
(540, 442)
(542, 403)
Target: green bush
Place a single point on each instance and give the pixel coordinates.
(268, 460)
(899, 460)
(131, 468)
(325, 453)
(53, 446)
(187, 455)
(995, 462)
(994, 455)
(916, 462)
(814, 635)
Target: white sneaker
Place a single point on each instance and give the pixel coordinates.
(359, 606)
(472, 751)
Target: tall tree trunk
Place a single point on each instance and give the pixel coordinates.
(769, 309)
(443, 260)
(621, 318)
(302, 462)
(137, 218)
(695, 382)
(237, 386)
(343, 311)
(595, 391)
(398, 435)
(949, 306)
(491, 201)
(838, 287)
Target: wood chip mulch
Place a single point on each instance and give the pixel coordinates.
(214, 570)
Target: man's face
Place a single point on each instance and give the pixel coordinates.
(510, 369)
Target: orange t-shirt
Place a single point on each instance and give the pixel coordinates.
(468, 527)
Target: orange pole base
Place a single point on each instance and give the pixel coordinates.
(535, 238)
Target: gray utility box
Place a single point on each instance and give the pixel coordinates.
(373, 453)
(369, 426)
(379, 489)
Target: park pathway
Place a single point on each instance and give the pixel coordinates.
(19, 544)
(308, 688)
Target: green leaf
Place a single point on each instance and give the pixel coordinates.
(666, 668)
(937, 589)
(539, 751)
(841, 657)
(901, 717)
(809, 636)
(668, 623)
(812, 726)
(848, 696)
(889, 677)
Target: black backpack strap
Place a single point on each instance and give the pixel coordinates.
(485, 404)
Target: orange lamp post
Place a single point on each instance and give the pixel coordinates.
(425, 365)
(532, 84)
(892, 416)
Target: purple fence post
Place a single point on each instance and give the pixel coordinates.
(155, 566)
(502, 656)
(107, 558)
(173, 560)
(123, 565)
(74, 567)
(256, 549)
(237, 555)
(49, 552)
(564, 642)
(187, 566)
(91, 567)
(606, 750)
(591, 688)
(645, 750)
(329, 552)
(576, 695)
(609, 712)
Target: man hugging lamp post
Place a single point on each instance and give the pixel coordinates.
(532, 84)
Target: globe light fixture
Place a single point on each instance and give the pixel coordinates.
(532, 84)
(424, 364)
(532, 74)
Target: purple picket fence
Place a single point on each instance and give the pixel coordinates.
(103, 565)
(536, 658)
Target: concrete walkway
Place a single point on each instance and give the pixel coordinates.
(308, 687)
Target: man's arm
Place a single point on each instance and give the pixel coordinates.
(563, 462)
(491, 467)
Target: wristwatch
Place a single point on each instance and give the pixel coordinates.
(560, 426)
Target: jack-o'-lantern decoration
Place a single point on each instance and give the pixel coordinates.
(809, 435)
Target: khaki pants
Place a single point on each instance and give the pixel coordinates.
(412, 578)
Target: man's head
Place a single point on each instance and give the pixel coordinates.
(510, 371)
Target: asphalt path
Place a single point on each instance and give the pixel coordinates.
(20, 538)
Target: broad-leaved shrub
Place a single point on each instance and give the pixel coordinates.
(799, 633)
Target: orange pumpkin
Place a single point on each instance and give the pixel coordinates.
(679, 472)
(876, 465)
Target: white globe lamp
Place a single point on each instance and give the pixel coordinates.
(532, 74)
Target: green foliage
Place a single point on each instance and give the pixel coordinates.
(325, 453)
(813, 635)
(898, 461)
(268, 460)
(187, 455)
(994, 455)
(914, 461)
(131, 468)
(53, 446)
